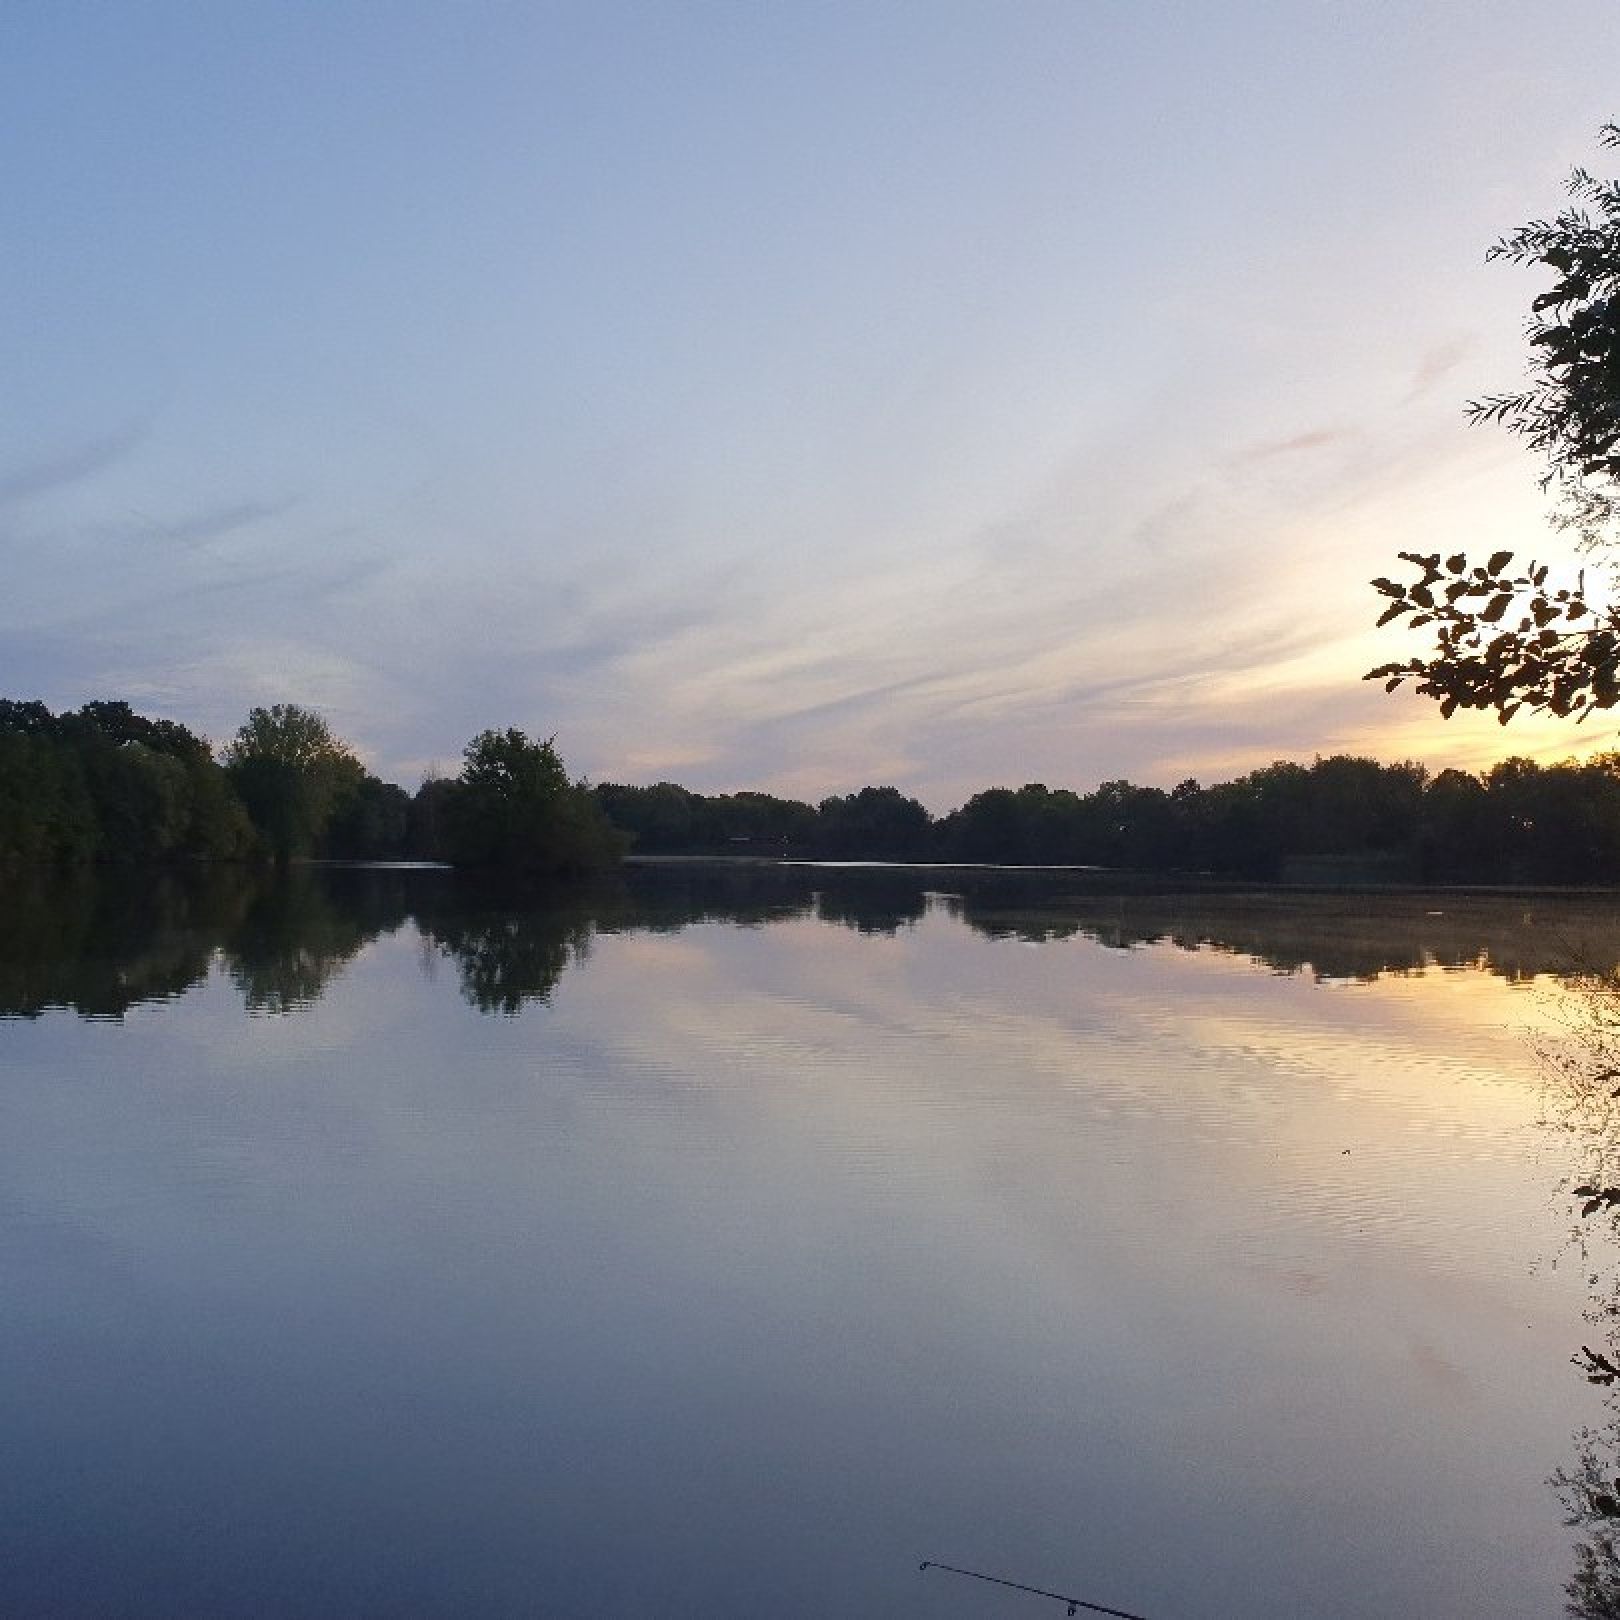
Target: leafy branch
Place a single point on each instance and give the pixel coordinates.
(1571, 410)
(1504, 640)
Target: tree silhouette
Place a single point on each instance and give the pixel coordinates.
(292, 774)
(514, 807)
(1506, 636)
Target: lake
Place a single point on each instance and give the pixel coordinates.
(730, 1240)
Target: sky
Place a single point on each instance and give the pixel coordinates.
(789, 396)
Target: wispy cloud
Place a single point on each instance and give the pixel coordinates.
(1315, 439)
(214, 523)
(1437, 364)
(62, 468)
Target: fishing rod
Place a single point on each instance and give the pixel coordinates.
(1075, 1604)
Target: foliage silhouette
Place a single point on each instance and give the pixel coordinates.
(104, 784)
(514, 807)
(292, 774)
(1338, 819)
(1508, 638)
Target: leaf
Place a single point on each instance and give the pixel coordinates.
(1495, 608)
(1499, 561)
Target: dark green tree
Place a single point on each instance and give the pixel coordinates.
(662, 819)
(46, 813)
(371, 823)
(143, 802)
(427, 827)
(992, 826)
(104, 783)
(514, 807)
(760, 823)
(1124, 826)
(292, 774)
(1457, 835)
(878, 823)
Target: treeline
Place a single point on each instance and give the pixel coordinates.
(1340, 818)
(105, 784)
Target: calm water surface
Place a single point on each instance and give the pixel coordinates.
(728, 1242)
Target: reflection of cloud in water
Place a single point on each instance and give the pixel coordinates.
(1442, 1374)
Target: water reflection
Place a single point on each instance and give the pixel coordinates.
(507, 956)
(295, 934)
(99, 944)
(1581, 1064)
(795, 1222)
(1589, 1491)
(1330, 936)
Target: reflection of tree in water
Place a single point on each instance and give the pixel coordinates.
(303, 926)
(511, 947)
(1581, 1066)
(1590, 1494)
(1332, 935)
(665, 898)
(870, 902)
(507, 955)
(99, 943)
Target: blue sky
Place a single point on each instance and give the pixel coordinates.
(790, 396)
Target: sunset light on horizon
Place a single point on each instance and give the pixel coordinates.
(938, 395)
